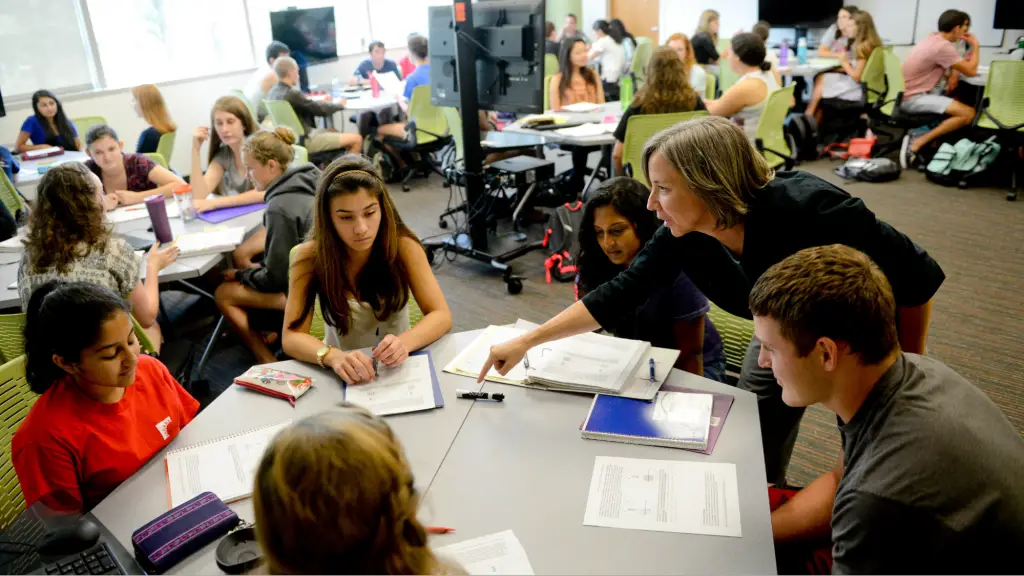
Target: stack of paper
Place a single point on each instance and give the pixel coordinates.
(584, 130)
(411, 387)
(499, 553)
(471, 361)
(209, 242)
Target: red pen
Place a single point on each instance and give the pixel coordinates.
(439, 530)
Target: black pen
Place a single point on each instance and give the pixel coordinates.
(374, 350)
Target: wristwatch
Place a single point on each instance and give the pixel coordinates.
(321, 354)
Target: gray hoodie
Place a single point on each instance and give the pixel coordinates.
(288, 218)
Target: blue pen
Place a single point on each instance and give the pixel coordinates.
(651, 364)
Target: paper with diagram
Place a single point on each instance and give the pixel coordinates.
(411, 387)
(471, 361)
(664, 496)
(499, 553)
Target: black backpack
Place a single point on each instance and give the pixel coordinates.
(802, 133)
(561, 238)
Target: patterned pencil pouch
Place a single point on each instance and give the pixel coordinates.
(173, 536)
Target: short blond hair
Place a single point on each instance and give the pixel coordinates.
(718, 163)
(267, 145)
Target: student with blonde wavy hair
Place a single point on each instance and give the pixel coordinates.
(705, 39)
(334, 494)
(727, 218)
(288, 191)
(698, 77)
(150, 106)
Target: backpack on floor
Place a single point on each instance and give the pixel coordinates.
(802, 133)
(869, 170)
(963, 163)
(561, 241)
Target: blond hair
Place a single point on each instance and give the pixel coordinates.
(718, 163)
(276, 145)
(334, 494)
(154, 109)
(867, 38)
(704, 25)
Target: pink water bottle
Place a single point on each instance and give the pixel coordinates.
(374, 85)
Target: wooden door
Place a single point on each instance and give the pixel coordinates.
(639, 16)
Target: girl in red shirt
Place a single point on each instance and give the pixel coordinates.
(104, 410)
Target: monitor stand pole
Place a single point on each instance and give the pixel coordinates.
(475, 246)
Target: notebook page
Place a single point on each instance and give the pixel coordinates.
(499, 553)
(589, 359)
(408, 388)
(224, 466)
(218, 240)
(471, 361)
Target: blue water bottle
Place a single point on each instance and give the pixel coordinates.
(801, 51)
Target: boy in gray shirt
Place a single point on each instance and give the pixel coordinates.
(932, 474)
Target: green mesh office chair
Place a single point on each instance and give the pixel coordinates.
(638, 67)
(770, 138)
(165, 147)
(550, 65)
(144, 342)
(158, 158)
(887, 118)
(12, 336)
(1002, 110)
(10, 197)
(736, 334)
(282, 114)
(639, 130)
(301, 154)
(252, 109)
(16, 398)
(547, 93)
(710, 86)
(429, 137)
(83, 124)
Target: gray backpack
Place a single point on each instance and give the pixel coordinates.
(869, 170)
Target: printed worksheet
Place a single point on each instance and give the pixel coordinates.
(592, 360)
(408, 388)
(499, 553)
(471, 361)
(664, 496)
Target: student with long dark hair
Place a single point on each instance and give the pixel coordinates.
(608, 48)
(47, 126)
(225, 182)
(575, 82)
(616, 225)
(363, 263)
(127, 178)
(105, 409)
(628, 41)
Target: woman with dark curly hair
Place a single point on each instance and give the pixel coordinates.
(69, 240)
(616, 225)
(667, 90)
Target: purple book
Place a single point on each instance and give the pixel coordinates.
(222, 214)
(719, 410)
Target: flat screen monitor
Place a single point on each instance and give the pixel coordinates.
(509, 35)
(1009, 15)
(309, 33)
(798, 13)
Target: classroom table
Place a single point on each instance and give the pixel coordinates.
(813, 67)
(426, 437)
(28, 178)
(485, 467)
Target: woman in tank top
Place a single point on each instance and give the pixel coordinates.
(744, 101)
(363, 264)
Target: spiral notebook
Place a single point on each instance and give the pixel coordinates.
(225, 466)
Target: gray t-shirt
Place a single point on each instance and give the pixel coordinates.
(933, 479)
(233, 182)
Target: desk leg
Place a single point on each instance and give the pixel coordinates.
(606, 156)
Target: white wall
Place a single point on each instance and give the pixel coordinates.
(189, 103)
(593, 10)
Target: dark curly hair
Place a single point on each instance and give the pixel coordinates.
(629, 198)
(67, 222)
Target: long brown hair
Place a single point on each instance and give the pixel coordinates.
(67, 222)
(566, 67)
(232, 105)
(690, 59)
(667, 88)
(384, 281)
(867, 35)
(154, 109)
(334, 494)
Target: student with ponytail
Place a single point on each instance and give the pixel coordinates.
(288, 191)
(744, 101)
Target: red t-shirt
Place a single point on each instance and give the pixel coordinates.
(71, 451)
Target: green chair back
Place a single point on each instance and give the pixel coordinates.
(771, 126)
(83, 124)
(894, 78)
(550, 65)
(638, 67)
(547, 93)
(282, 114)
(736, 333)
(1005, 93)
(16, 398)
(726, 76)
(252, 109)
(144, 342)
(640, 128)
(165, 147)
(157, 157)
(454, 119)
(12, 336)
(625, 92)
(301, 154)
(9, 195)
(874, 76)
(429, 119)
(710, 86)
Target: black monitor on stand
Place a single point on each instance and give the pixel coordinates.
(485, 55)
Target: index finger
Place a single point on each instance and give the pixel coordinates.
(389, 342)
(487, 368)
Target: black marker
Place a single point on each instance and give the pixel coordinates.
(471, 395)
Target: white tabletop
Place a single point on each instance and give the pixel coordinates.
(607, 109)
(485, 467)
(979, 79)
(522, 465)
(29, 173)
(813, 67)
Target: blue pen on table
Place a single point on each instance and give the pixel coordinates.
(650, 363)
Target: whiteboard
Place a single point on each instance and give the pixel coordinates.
(893, 19)
(982, 13)
(683, 16)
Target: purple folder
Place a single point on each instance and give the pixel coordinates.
(222, 214)
(720, 406)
